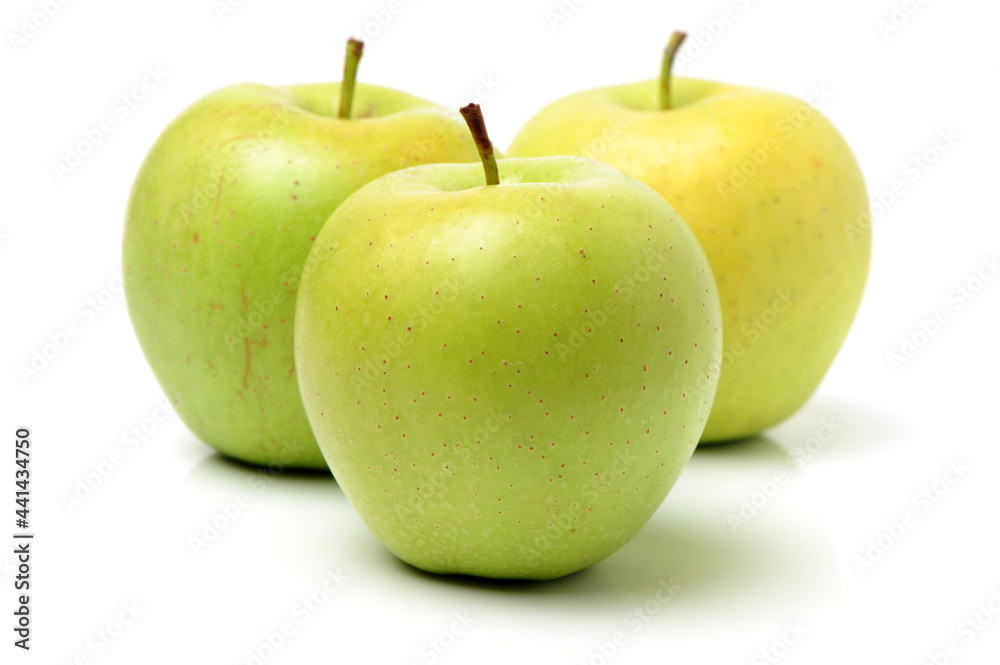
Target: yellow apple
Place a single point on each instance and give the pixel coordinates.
(775, 196)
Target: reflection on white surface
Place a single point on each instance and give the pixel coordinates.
(750, 555)
(263, 546)
(289, 574)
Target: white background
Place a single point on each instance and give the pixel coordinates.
(898, 428)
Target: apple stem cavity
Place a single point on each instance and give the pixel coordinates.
(673, 46)
(474, 119)
(354, 50)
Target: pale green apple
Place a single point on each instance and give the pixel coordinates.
(498, 375)
(219, 225)
(776, 198)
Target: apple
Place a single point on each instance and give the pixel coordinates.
(219, 224)
(502, 376)
(774, 195)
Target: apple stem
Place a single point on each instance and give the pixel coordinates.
(354, 50)
(673, 46)
(474, 119)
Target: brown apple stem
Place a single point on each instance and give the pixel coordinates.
(673, 46)
(354, 50)
(474, 119)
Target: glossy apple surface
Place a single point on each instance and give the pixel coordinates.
(219, 224)
(777, 201)
(500, 376)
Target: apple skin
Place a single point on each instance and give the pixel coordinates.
(789, 244)
(220, 221)
(500, 377)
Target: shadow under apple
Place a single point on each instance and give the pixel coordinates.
(758, 449)
(780, 559)
(224, 467)
(843, 429)
(731, 539)
(216, 480)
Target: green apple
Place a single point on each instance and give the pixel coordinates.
(498, 374)
(219, 225)
(774, 195)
